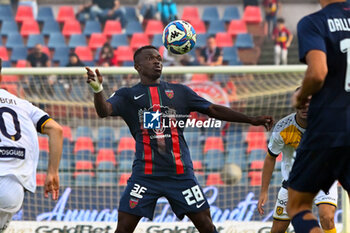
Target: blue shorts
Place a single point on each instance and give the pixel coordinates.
(183, 193)
(315, 170)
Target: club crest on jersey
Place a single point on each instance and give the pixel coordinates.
(279, 210)
(133, 202)
(169, 93)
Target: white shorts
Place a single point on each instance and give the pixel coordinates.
(280, 211)
(11, 199)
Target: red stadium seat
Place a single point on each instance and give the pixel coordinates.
(138, 40)
(161, 50)
(256, 138)
(214, 179)
(67, 132)
(71, 27)
(4, 54)
(84, 53)
(189, 13)
(65, 13)
(237, 27)
(12, 88)
(252, 14)
(9, 79)
(97, 40)
(124, 178)
(30, 27)
(124, 53)
(200, 78)
(21, 64)
(84, 143)
(43, 144)
(223, 39)
(154, 27)
(83, 165)
(126, 143)
(213, 143)
(40, 179)
(112, 27)
(255, 178)
(197, 165)
(257, 165)
(24, 13)
(105, 155)
(199, 26)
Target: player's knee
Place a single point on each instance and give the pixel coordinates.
(327, 221)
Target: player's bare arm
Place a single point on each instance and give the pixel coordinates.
(54, 131)
(269, 166)
(227, 114)
(314, 77)
(94, 79)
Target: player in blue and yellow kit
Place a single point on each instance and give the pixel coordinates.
(162, 166)
(324, 152)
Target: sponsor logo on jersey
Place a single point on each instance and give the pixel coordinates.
(133, 202)
(279, 210)
(169, 93)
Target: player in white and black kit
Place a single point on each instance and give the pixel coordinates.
(285, 138)
(19, 152)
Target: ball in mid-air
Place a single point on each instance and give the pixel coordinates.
(231, 174)
(179, 37)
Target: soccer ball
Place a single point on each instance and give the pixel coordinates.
(231, 174)
(179, 37)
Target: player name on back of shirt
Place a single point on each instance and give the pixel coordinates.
(7, 101)
(339, 24)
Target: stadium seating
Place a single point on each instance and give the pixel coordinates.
(230, 54)
(119, 40)
(133, 27)
(157, 40)
(199, 26)
(189, 13)
(84, 143)
(3, 53)
(61, 54)
(105, 166)
(238, 157)
(126, 143)
(210, 13)
(50, 26)
(84, 155)
(255, 178)
(214, 179)
(65, 13)
(40, 178)
(213, 143)
(154, 27)
(84, 131)
(35, 39)
(237, 27)
(71, 27)
(24, 13)
(138, 40)
(256, 165)
(106, 133)
(244, 41)
(56, 40)
(105, 155)
(21, 63)
(256, 154)
(43, 160)
(9, 27)
(197, 165)
(216, 26)
(124, 53)
(201, 40)
(130, 14)
(200, 78)
(84, 53)
(256, 139)
(14, 40)
(92, 26)
(6, 13)
(66, 178)
(252, 14)
(29, 27)
(223, 39)
(112, 27)
(84, 179)
(45, 14)
(77, 40)
(200, 178)
(123, 178)
(8, 78)
(97, 40)
(106, 178)
(19, 53)
(214, 160)
(231, 13)
(43, 143)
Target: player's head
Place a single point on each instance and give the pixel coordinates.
(280, 23)
(302, 112)
(148, 62)
(211, 42)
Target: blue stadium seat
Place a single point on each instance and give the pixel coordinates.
(119, 40)
(200, 178)
(213, 132)
(201, 40)
(125, 165)
(9, 27)
(84, 131)
(157, 40)
(214, 160)
(77, 40)
(43, 160)
(56, 39)
(133, 27)
(244, 41)
(50, 26)
(35, 39)
(238, 157)
(105, 132)
(210, 13)
(45, 13)
(18, 53)
(216, 26)
(106, 144)
(130, 14)
(230, 55)
(84, 179)
(84, 155)
(128, 63)
(196, 152)
(124, 132)
(66, 164)
(256, 155)
(66, 178)
(61, 53)
(106, 166)
(276, 178)
(230, 13)
(92, 26)
(6, 64)
(6, 13)
(106, 178)
(245, 179)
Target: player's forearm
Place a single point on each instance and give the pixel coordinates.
(55, 133)
(227, 114)
(269, 165)
(101, 105)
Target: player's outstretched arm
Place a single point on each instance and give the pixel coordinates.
(94, 79)
(54, 131)
(269, 165)
(227, 114)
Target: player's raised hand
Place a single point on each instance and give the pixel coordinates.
(261, 203)
(94, 79)
(52, 185)
(266, 121)
(300, 103)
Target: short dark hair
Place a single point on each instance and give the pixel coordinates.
(280, 20)
(139, 50)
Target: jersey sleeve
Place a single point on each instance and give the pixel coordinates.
(310, 38)
(38, 116)
(276, 144)
(117, 101)
(195, 102)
